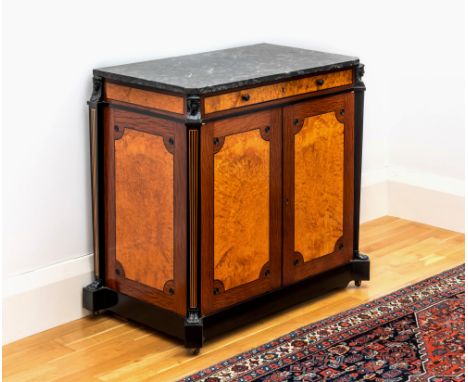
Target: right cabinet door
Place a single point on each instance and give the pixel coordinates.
(318, 172)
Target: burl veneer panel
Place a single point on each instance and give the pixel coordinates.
(319, 171)
(241, 208)
(144, 208)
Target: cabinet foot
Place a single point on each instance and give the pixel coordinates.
(194, 332)
(360, 267)
(97, 297)
(195, 351)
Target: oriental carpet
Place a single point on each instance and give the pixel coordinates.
(414, 334)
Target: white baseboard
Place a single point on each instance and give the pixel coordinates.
(374, 201)
(45, 298)
(51, 296)
(440, 209)
(426, 198)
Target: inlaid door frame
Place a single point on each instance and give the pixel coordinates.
(172, 295)
(294, 267)
(213, 136)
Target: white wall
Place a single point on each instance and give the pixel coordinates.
(413, 51)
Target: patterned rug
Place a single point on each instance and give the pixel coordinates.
(414, 334)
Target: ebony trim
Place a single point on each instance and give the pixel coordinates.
(96, 131)
(193, 323)
(358, 134)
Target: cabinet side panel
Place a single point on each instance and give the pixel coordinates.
(318, 188)
(144, 208)
(241, 208)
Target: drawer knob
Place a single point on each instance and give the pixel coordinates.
(319, 82)
(245, 97)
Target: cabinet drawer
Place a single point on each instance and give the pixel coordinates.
(277, 91)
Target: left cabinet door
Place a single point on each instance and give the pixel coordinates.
(241, 208)
(145, 207)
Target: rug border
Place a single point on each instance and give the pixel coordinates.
(196, 377)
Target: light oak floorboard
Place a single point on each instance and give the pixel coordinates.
(109, 349)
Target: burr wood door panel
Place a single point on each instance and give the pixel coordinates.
(318, 186)
(241, 208)
(145, 208)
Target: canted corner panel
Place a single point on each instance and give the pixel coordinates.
(144, 98)
(241, 208)
(318, 186)
(144, 208)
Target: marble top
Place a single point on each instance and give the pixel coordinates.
(226, 69)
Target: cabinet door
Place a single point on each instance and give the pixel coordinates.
(318, 159)
(241, 208)
(145, 207)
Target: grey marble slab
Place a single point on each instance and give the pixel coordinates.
(226, 69)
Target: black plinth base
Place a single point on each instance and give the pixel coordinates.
(97, 297)
(194, 330)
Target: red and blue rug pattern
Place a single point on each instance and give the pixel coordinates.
(414, 334)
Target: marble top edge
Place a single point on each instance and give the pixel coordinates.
(227, 69)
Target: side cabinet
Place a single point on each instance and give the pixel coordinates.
(318, 164)
(226, 186)
(241, 208)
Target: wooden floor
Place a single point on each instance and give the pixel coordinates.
(107, 349)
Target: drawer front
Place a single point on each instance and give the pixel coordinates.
(277, 91)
